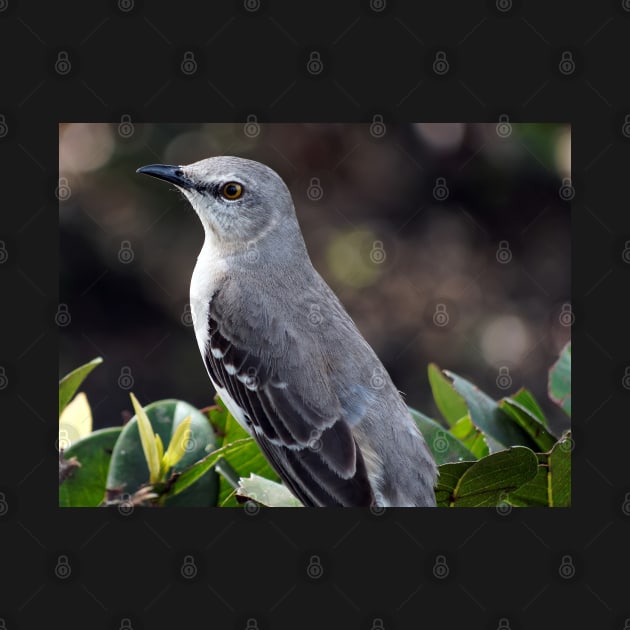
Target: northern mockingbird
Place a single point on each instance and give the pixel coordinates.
(284, 355)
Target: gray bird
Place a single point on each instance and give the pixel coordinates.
(284, 355)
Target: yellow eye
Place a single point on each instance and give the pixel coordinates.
(231, 191)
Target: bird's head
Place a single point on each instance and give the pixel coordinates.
(238, 201)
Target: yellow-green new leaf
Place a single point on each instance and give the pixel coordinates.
(160, 451)
(177, 446)
(75, 422)
(148, 440)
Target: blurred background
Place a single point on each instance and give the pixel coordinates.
(447, 243)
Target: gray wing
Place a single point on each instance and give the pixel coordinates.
(305, 438)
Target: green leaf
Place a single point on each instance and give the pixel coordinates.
(560, 380)
(487, 482)
(452, 406)
(525, 398)
(559, 473)
(69, 384)
(128, 469)
(552, 485)
(85, 487)
(444, 446)
(449, 475)
(266, 492)
(534, 492)
(471, 437)
(200, 468)
(486, 415)
(543, 438)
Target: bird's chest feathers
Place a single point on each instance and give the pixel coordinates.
(206, 278)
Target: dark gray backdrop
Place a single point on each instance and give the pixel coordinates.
(101, 61)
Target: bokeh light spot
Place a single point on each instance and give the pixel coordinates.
(84, 147)
(348, 258)
(505, 339)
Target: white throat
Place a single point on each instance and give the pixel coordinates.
(210, 268)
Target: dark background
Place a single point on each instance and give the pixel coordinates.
(504, 58)
(446, 242)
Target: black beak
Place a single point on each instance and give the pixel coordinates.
(173, 174)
